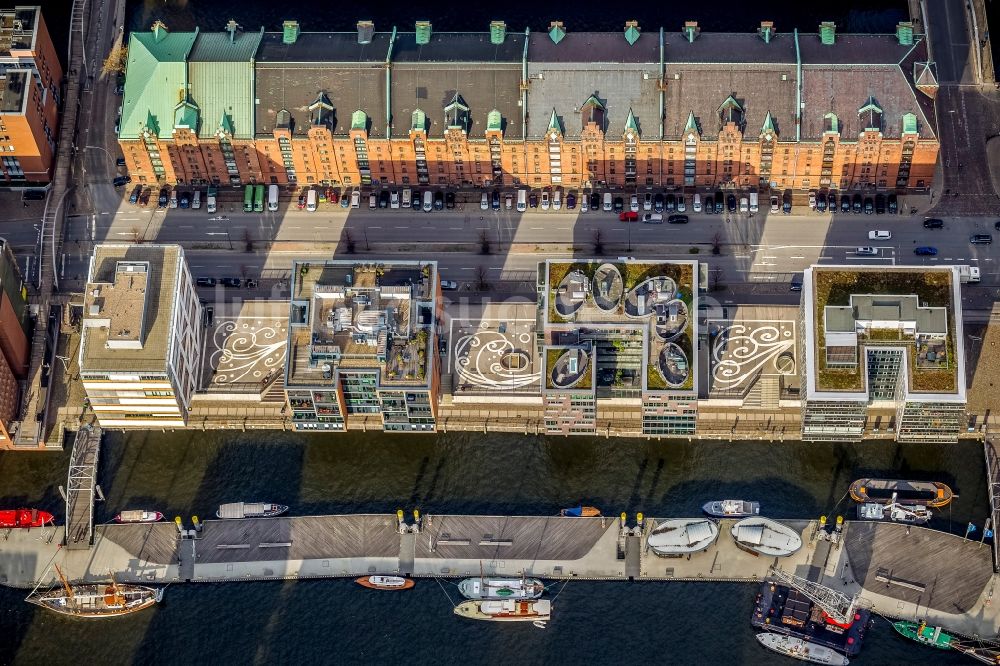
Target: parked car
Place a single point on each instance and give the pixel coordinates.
(619, 205)
(449, 200)
(484, 201)
(925, 251)
(372, 200)
(570, 201)
(671, 203)
(845, 203)
(866, 251)
(120, 162)
(144, 197)
(134, 197)
(595, 201)
(647, 201)
(495, 200)
(720, 203)
(508, 201)
(893, 202)
(775, 204)
(821, 202)
(449, 285)
(869, 206)
(831, 200)
(533, 200)
(302, 201)
(681, 204)
(709, 204)
(205, 282)
(164, 198)
(856, 204)
(438, 200)
(652, 218)
(677, 219)
(118, 181)
(415, 198)
(880, 204)
(731, 203)
(232, 282)
(981, 239)
(628, 216)
(935, 223)
(323, 195)
(812, 200)
(786, 203)
(184, 200)
(658, 202)
(545, 199)
(879, 234)
(386, 199)
(633, 203)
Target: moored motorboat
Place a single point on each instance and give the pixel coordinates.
(385, 582)
(250, 510)
(486, 587)
(139, 516)
(682, 536)
(922, 633)
(731, 509)
(909, 514)
(764, 536)
(798, 648)
(18, 518)
(96, 600)
(506, 610)
(933, 494)
(581, 512)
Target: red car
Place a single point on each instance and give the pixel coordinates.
(302, 201)
(628, 216)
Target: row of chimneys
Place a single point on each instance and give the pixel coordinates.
(498, 31)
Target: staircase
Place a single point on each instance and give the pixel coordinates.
(764, 394)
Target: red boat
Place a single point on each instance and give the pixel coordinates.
(25, 518)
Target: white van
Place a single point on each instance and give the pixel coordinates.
(744, 205)
(696, 204)
(428, 201)
(311, 200)
(522, 200)
(557, 199)
(210, 202)
(753, 203)
(607, 202)
(272, 198)
(355, 198)
(407, 197)
(196, 201)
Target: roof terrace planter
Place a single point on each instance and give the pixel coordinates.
(649, 295)
(571, 294)
(568, 368)
(607, 287)
(671, 319)
(674, 367)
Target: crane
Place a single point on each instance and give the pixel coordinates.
(837, 605)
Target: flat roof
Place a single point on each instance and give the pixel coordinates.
(120, 305)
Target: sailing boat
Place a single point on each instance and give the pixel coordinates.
(487, 587)
(96, 600)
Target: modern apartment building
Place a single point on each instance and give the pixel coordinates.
(362, 345)
(883, 350)
(618, 339)
(30, 79)
(15, 332)
(667, 107)
(142, 341)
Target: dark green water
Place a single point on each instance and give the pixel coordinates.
(338, 622)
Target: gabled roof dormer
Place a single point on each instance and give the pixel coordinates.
(925, 78)
(691, 128)
(456, 114)
(494, 121)
(731, 111)
(594, 111)
(555, 127)
(631, 126)
(283, 120)
(359, 121)
(186, 115)
(321, 111)
(226, 125)
(909, 123)
(831, 124)
(871, 115)
(769, 130)
(418, 121)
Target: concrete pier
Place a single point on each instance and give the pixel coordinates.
(899, 571)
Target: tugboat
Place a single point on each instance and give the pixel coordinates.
(250, 510)
(921, 633)
(767, 537)
(506, 610)
(385, 582)
(930, 493)
(682, 536)
(96, 600)
(732, 509)
(910, 514)
(797, 648)
(581, 512)
(25, 518)
(139, 516)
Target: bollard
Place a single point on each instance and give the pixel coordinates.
(179, 523)
(822, 522)
(624, 519)
(399, 516)
(639, 518)
(416, 515)
(196, 523)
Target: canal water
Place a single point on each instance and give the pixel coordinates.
(335, 621)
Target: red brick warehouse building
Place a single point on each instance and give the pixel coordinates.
(676, 109)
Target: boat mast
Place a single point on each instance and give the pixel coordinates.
(66, 585)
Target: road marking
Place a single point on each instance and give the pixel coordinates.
(130, 219)
(495, 268)
(796, 257)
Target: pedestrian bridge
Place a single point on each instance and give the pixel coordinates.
(81, 484)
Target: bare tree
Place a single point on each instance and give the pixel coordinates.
(716, 242)
(598, 243)
(349, 245)
(481, 282)
(115, 63)
(484, 242)
(247, 240)
(137, 236)
(715, 279)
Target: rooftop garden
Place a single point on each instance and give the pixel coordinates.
(933, 288)
(552, 358)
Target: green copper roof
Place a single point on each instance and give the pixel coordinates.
(152, 123)
(554, 123)
(828, 32)
(909, 123)
(186, 115)
(593, 101)
(154, 80)
(289, 32)
(226, 123)
(871, 105)
(904, 33)
(632, 34)
(556, 33)
(498, 32)
(494, 121)
(630, 123)
(768, 125)
(692, 124)
(359, 120)
(831, 123)
(424, 32)
(730, 103)
(221, 75)
(418, 120)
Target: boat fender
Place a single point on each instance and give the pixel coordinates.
(639, 518)
(179, 523)
(539, 624)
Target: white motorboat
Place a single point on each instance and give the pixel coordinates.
(250, 510)
(731, 509)
(486, 587)
(764, 536)
(910, 514)
(682, 536)
(797, 648)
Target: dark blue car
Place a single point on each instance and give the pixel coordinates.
(925, 251)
